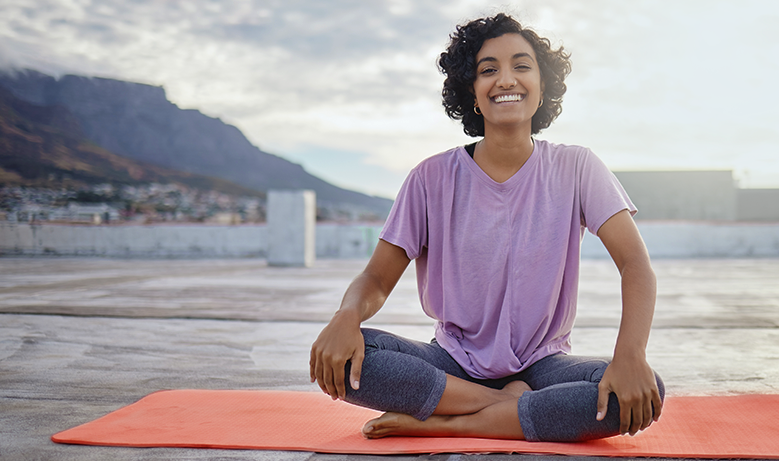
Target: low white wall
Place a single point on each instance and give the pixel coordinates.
(680, 239)
(349, 241)
(133, 241)
(344, 241)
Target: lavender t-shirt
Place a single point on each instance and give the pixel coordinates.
(498, 263)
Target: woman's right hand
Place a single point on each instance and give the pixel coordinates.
(340, 341)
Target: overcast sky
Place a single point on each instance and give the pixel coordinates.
(350, 89)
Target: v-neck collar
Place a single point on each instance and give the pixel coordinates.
(510, 182)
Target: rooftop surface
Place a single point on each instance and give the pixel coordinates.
(80, 338)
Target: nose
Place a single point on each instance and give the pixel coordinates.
(507, 80)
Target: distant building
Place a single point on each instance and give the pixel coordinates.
(757, 205)
(31, 213)
(99, 213)
(225, 219)
(697, 196)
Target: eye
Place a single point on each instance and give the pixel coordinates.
(487, 71)
(522, 67)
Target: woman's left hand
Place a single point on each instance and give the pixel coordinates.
(629, 376)
(633, 382)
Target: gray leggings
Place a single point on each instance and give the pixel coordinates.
(405, 376)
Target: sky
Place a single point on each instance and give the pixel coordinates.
(351, 90)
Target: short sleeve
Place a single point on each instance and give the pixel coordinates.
(406, 225)
(602, 195)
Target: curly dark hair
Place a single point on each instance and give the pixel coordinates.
(458, 64)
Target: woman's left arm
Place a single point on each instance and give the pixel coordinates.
(629, 375)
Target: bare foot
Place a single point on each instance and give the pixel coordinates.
(400, 424)
(478, 423)
(387, 424)
(516, 388)
(497, 421)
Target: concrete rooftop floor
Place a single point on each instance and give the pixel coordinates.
(80, 338)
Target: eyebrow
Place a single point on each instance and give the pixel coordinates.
(516, 56)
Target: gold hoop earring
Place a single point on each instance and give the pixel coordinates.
(541, 102)
(476, 110)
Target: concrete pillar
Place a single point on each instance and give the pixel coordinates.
(291, 228)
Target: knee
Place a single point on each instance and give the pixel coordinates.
(369, 335)
(382, 340)
(600, 370)
(660, 386)
(374, 338)
(375, 342)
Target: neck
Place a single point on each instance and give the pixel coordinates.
(501, 156)
(506, 148)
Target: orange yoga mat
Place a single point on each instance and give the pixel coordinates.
(745, 426)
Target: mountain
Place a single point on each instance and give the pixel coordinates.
(137, 121)
(44, 146)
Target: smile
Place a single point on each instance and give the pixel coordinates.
(508, 98)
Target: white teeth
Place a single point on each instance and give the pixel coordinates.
(509, 97)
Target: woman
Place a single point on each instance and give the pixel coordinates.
(495, 228)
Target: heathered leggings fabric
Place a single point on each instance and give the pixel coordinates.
(405, 376)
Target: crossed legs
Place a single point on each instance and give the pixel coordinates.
(425, 392)
(465, 409)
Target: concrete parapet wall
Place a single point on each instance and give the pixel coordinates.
(668, 239)
(346, 241)
(333, 241)
(133, 241)
(350, 241)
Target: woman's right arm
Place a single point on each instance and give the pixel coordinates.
(341, 340)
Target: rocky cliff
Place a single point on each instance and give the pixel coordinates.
(44, 147)
(138, 122)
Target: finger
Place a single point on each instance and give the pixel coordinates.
(657, 404)
(338, 379)
(636, 418)
(354, 375)
(312, 366)
(321, 384)
(319, 376)
(624, 418)
(603, 402)
(328, 381)
(647, 416)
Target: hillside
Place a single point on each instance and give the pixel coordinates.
(137, 121)
(44, 146)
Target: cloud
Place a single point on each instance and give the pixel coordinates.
(672, 84)
(655, 82)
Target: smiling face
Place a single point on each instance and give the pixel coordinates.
(508, 85)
